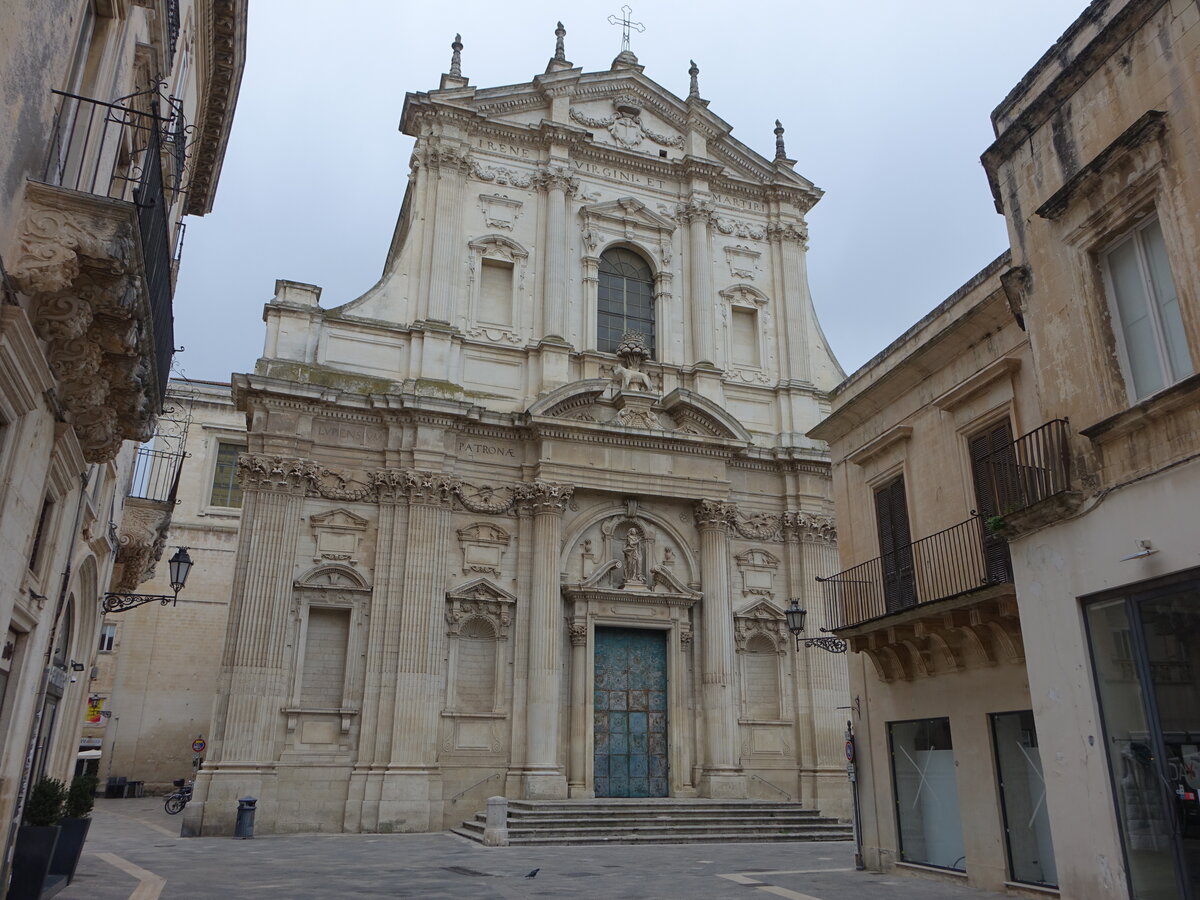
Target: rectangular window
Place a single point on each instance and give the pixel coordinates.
(226, 489)
(1023, 798)
(895, 546)
(926, 794)
(495, 292)
(745, 337)
(993, 470)
(1150, 327)
(39, 534)
(108, 634)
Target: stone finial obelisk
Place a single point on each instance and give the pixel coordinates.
(780, 153)
(560, 50)
(559, 61)
(694, 73)
(454, 78)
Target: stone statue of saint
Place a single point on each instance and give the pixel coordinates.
(633, 555)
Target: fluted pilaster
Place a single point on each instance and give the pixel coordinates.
(579, 709)
(699, 215)
(554, 284)
(450, 165)
(256, 638)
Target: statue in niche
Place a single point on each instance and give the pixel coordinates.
(633, 556)
(668, 558)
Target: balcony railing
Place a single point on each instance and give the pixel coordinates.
(1033, 468)
(118, 150)
(156, 475)
(963, 558)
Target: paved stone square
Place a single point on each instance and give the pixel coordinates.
(133, 853)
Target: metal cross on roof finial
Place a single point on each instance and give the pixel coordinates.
(456, 56)
(626, 24)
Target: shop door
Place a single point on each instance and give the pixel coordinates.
(630, 758)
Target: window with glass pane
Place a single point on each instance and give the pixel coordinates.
(626, 299)
(1147, 310)
(108, 635)
(1023, 795)
(226, 490)
(927, 794)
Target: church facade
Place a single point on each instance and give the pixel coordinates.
(523, 519)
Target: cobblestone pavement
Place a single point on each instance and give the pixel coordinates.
(133, 853)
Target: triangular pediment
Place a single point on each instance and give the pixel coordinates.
(481, 589)
(628, 211)
(763, 609)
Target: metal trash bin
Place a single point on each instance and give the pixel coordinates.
(244, 828)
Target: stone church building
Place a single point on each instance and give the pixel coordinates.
(523, 518)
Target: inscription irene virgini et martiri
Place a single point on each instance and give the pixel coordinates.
(615, 174)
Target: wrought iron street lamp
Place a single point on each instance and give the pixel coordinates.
(795, 616)
(179, 565)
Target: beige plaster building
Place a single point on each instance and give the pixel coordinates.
(117, 116)
(523, 518)
(157, 668)
(1041, 725)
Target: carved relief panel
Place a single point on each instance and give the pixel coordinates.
(758, 568)
(337, 534)
(483, 545)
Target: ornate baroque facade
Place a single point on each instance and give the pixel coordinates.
(573, 408)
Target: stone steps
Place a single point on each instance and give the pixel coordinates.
(606, 821)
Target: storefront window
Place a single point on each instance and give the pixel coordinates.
(927, 793)
(1146, 654)
(1023, 792)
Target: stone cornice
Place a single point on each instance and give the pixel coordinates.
(222, 40)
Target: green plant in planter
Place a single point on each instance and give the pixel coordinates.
(995, 523)
(81, 797)
(45, 804)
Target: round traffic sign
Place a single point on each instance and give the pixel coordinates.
(850, 751)
(198, 745)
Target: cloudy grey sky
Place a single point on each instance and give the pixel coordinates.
(886, 105)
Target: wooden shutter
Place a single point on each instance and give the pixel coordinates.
(994, 471)
(895, 546)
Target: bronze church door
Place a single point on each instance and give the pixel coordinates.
(630, 710)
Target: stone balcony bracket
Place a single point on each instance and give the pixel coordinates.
(80, 262)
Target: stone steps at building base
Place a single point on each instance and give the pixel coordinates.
(659, 822)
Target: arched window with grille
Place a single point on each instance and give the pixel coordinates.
(626, 299)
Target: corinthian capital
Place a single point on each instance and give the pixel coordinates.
(806, 526)
(276, 474)
(544, 497)
(696, 210)
(556, 178)
(713, 514)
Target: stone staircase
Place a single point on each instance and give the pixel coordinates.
(534, 822)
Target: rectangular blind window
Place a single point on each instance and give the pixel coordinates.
(325, 658)
(226, 489)
(495, 292)
(745, 337)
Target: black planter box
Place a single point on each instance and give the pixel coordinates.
(69, 847)
(31, 860)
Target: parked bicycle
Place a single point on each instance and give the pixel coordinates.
(178, 798)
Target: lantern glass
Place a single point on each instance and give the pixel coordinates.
(180, 565)
(795, 617)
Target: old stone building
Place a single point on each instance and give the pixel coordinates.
(524, 517)
(1030, 710)
(117, 115)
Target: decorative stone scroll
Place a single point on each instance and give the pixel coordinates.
(625, 124)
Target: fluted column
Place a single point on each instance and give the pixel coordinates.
(721, 776)
(698, 214)
(556, 183)
(579, 710)
(544, 777)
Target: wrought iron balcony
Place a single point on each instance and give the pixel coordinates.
(956, 561)
(96, 260)
(1033, 468)
(149, 506)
